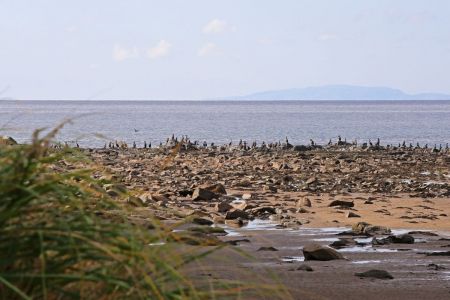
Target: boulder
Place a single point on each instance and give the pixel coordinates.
(201, 194)
(315, 251)
(202, 221)
(216, 188)
(223, 206)
(235, 214)
(378, 274)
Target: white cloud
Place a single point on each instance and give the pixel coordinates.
(327, 37)
(208, 49)
(160, 50)
(121, 53)
(215, 26)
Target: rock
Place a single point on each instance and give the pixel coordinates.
(301, 210)
(304, 202)
(236, 222)
(267, 249)
(435, 267)
(202, 194)
(315, 251)
(239, 204)
(216, 189)
(247, 196)
(305, 268)
(444, 253)
(366, 228)
(263, 210)
(135, 201)
(202, 221)
(157, 198)
(270, 188)
(209, 230)
(351, 214)
(341, 203)
(119, 188)
(302, 148)
(311, 180)
(427, 233)
(235, 214)
(342, 242)
(223, 206)
(402, 239)
(218, 219)
(7, 141)
(378, 274)
(236, 242)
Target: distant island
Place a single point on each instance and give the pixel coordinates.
(339, 92)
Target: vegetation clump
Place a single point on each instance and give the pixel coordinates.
(57, 241)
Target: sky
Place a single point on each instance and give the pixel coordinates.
(204, 49)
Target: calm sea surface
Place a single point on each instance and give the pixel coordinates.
(221, 122)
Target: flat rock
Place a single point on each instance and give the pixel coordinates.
(267, 249)
(341, 203)
(378, 274)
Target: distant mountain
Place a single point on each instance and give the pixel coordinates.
(340, 92)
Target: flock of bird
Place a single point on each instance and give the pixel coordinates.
(186, 143)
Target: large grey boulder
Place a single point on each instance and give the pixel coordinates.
(315, 251)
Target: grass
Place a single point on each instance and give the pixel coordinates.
(61, 236)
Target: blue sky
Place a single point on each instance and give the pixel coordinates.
(197, 49)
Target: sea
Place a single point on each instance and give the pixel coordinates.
(94, 123)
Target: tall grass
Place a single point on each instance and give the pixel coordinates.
(61, 237)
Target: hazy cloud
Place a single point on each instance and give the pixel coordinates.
(215, 26)
(121, 53)
(160, 50)
(208, 49)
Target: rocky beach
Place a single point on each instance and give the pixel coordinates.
(360, 221)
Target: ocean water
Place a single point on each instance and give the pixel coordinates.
(96, 122)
